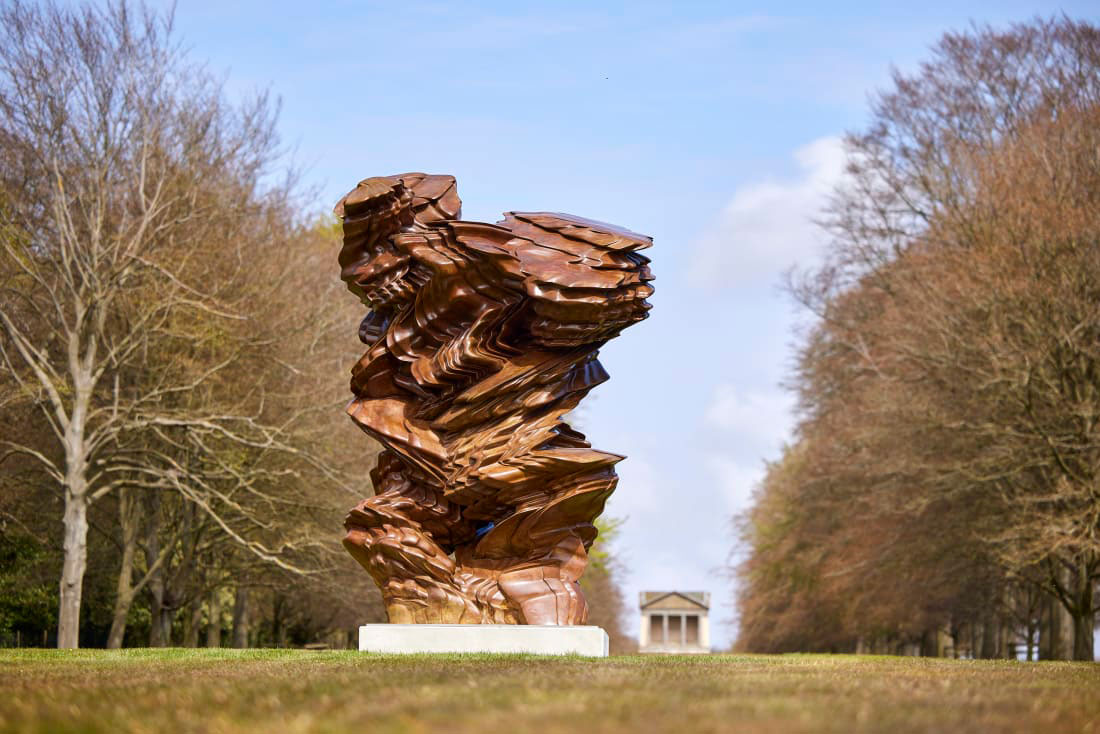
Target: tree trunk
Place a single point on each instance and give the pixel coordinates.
(240, 618)
(1056, 635)
(1061, 622)
(1007, 642)
(1084, 618)
(1061, 632)
(160, 624)
(156, 630)
(156, 586)
(278, 628)
(124, 596)
(928, 643)
(123, 602)
(1047, 612)
(74, 564)
(990, 630)
(1083, 630)
(75, 521)
(167, 615)
(214, 626)
(1031, 630)
(192, 622)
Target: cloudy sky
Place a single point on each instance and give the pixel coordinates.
(714, 127)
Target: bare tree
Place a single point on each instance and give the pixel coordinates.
(124, 172)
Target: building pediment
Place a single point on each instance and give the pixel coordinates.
(695, 601)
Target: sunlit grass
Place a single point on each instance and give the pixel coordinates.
(275, 691)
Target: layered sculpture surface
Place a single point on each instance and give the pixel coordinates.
(481, 337)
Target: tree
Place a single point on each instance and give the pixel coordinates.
(979, 183)
(600, 583)
(125, 174)
(949, 390)
(259, 501)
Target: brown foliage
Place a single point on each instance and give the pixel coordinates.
(948, 452)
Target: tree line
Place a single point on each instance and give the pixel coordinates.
(941, 494)
(173, 350)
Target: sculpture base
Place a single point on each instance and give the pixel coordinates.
(483, 638)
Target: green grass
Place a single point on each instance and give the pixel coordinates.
(277, 691)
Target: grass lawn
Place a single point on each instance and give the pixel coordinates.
(276, 691)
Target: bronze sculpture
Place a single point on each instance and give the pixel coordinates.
(481, 337)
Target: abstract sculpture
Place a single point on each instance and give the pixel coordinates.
(481, 337)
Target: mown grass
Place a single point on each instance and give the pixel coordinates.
(275, 691)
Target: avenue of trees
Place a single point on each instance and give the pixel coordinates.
(175, 342)
(942, 491)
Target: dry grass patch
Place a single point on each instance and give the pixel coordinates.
(271, 691)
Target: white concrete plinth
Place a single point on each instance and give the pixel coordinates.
(491, 638)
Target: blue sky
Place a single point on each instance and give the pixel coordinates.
(711, 126)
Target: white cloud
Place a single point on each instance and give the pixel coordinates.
(715, 33)
(643, 480)
(760, 420)
(768, 226)
(752, 426)
(735, 480)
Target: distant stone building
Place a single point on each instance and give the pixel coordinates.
(674, 621)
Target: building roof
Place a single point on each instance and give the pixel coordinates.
(674, 599)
